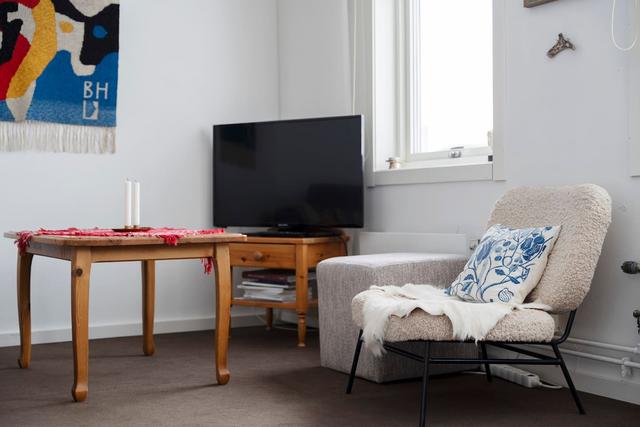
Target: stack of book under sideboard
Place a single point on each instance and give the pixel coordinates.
(272, 285)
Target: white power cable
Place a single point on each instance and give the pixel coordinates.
(551, 386)
(613, 33)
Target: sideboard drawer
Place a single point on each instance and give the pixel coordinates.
(261, 255)
(317, 253)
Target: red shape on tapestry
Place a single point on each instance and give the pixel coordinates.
(28, 3)
(9, 68)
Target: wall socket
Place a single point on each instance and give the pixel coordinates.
(473, 244)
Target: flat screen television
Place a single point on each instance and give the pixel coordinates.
(292, 175)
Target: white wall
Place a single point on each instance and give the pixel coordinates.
(183, 68)
(314, 80)
(566, 123)
(313, 52)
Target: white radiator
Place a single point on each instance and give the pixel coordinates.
(376, 242)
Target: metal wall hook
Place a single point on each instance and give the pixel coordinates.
(630, 267)
(560, 45)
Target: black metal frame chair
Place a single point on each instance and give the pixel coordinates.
(426, 359)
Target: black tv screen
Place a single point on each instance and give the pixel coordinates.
(291, 173)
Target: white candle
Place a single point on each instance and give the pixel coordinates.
(136, 204)
(127, 203)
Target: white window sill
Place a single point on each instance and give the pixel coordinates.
(434, 173)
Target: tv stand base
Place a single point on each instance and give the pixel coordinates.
(297, 232)
(291, 253)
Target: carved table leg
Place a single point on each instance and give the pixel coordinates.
(148, 305)
(269, 315)
(302, 292)
(80, 273)
(223, 309)
(24, 308)
(302, 329)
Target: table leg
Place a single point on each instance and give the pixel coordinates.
(148, 305)
(302, 292)
(80, 274)
(269, 316)
(24, 308)
(223, 310)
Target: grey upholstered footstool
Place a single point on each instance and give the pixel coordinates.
(340, 279)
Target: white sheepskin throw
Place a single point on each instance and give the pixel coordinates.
(469, 320)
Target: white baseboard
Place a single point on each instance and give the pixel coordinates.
(42, 336)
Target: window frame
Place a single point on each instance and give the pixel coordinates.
(392, 18)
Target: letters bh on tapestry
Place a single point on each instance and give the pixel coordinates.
(93, 93)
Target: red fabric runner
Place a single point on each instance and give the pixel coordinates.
(169, 235)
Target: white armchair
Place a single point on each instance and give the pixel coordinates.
(584, 212)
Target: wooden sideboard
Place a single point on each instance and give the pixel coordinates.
(296, 253)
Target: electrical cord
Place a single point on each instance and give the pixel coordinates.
(613, 34)
(473, 372)
(550, 386)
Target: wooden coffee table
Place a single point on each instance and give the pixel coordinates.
(84, 251)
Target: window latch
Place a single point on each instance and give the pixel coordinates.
(455, 152)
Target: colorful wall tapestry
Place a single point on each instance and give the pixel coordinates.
(58, 75)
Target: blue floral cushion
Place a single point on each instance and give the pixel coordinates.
(506, 265)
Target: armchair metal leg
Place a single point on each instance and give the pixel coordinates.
(487, 367)
(354, 365)
(425, 384)
(567, 377)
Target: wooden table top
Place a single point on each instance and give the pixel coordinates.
(128, 240)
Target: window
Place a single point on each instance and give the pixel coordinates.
(450, 77)
(435, 66)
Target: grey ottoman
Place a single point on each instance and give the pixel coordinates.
(340, 279)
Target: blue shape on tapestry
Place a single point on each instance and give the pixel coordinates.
(5, 114)
(99, 32)
(63, 97)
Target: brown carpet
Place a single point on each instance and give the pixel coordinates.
(273, 383)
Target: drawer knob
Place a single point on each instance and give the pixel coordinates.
(258, 256)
